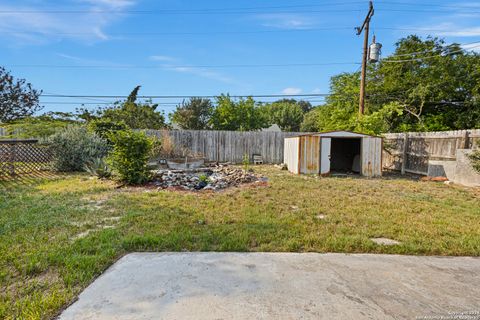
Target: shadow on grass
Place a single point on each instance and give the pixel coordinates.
(8, 182)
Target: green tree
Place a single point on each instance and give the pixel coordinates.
(340, 110)
(425, 85)
(305, 105)
(18, 99)
(310, 120)
(105, 127)
(134, 114)
(438, 85)
(379, 121)
(194, 114)
(243, 115)
(287, 114)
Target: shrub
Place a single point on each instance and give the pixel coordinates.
(203, 178)
(156, 152)
(105, 127)
(130, 155)
(246, 162)
(475, 160)
(98, 167)
(166, 149)
(74, 147)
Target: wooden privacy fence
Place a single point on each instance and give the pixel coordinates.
(410, 152)
(19, 157)
(407, 152)
(231, 146)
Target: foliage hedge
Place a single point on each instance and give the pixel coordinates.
(130, 155)
(475, 160)
(104, 127)
(74, 147)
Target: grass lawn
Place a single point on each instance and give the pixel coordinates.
(57, 235)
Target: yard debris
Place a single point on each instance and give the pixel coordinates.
(435, 179)
(385, 241)
(321, 217)
(215, 178)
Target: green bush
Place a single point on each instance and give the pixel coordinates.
(130, 155)
(105, 127)
(98, 167)
(74, 147)
(475, 160)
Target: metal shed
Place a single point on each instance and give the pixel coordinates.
(336, 151)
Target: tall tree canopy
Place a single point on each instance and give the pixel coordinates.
(425, 85)
(438, 85)
(194, 114)
(287, 114)
(242, 115)
(134, 114)
(18, 99)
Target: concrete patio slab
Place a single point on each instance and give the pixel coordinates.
(281, 286)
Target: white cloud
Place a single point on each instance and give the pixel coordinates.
(113, 4)
(451, 29)
(292, 91)
(472, 47)
(201, 72)
(162, 58)
(176, 65)
(286, 21)
(27, 25)
(89, 62)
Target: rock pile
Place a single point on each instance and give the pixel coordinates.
(215, 178)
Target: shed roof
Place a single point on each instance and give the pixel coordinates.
(340, 134)
(273, 128)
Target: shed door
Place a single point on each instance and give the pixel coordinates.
(309, 152)
(325, 155)
(371, 157)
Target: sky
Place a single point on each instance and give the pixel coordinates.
(208, 47)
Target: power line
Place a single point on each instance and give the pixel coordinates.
(434, 5)
(175, 33)
(181, 11)
(173, 67)
(185, 96)
(97, 103)
(426, 10)
(152, 12)
(429, 57)
(430, 51)
(153, 34)
(186, 67)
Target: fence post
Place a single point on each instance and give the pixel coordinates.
(466, 140)
(404, 153)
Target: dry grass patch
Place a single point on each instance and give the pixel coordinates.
(44, 263)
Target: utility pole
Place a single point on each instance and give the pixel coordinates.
(365, 27)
